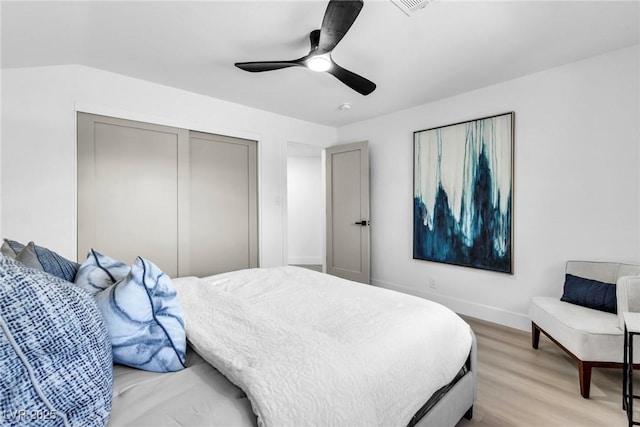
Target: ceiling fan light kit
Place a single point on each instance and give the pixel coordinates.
(319, 63)
(338, 18)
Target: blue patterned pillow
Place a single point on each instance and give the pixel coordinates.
(98, 272)
(55, 353)
(145, 320)
(11, 248)
(44, 259)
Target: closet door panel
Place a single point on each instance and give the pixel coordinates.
(222, 204)
(127, 199)
(185, 200)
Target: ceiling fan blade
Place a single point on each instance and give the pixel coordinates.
(338, 18)
(314, 39)
(354, 81)
(259, 66)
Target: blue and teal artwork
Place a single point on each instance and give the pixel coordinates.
(463, 193)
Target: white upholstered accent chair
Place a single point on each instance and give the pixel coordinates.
(592, 337)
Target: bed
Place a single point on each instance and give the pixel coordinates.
(202, 395)
(270, 347)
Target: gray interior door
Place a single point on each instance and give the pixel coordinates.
(347, 180)
(187, 201)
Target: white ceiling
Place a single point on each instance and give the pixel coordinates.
(450, 47)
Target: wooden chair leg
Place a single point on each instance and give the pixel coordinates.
(535, 335)
(584, 371)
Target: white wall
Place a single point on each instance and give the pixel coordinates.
(577, 180)
(577, 184)
(38, 174)
(1, 97)
(305, 209)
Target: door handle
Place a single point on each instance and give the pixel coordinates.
(362, 223)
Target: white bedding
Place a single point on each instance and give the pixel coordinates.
(313, 349)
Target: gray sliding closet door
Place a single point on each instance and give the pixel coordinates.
(186, 201)
(127, 190)
(222, 204)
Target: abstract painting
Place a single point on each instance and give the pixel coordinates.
(463, 193)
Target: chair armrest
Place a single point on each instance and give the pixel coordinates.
(627, 296)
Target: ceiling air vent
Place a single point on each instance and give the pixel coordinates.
(411, 6)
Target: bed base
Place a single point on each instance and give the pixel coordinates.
(458, 402)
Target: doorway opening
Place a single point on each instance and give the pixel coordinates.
(305, 206)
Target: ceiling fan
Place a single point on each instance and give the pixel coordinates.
(338, 18)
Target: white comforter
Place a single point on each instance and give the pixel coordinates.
(313, 349)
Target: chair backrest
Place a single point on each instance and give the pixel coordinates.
(628, 289)
(627, 296)
(607, 272)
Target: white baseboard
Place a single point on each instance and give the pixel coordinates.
(467, 308)
(305, 260)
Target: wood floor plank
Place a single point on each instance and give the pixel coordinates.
(520, 386)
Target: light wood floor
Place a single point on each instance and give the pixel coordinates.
(314, 267)
(520, 386)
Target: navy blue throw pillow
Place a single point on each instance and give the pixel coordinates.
(590, 293)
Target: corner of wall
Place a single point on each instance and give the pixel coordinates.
(467, 308)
